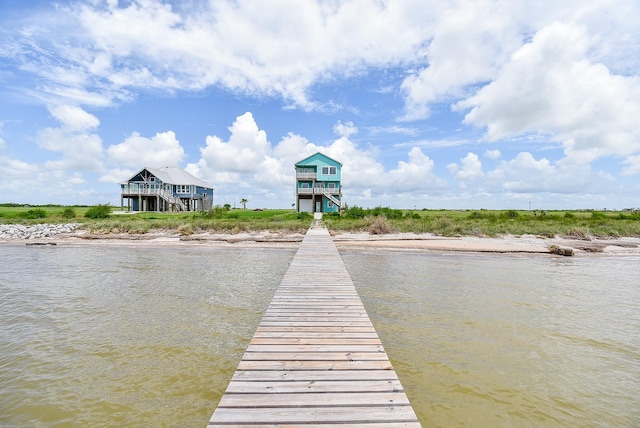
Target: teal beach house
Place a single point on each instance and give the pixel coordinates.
(165, 189)
(318, 186)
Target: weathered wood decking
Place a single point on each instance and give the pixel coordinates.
(315, 359)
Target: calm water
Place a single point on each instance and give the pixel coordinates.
(116, 336)
(487, 340)
(113, 336)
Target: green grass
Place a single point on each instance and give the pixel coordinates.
(17, 213)
(578, 224)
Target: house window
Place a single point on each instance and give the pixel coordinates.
(182, 188)
(331, 185)
(329, 170)
(330, 204)
(305, 185)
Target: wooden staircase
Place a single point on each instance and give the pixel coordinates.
(332, 198)
(172, 200)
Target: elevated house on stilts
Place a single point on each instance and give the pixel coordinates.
(165, 189)
(318, 186)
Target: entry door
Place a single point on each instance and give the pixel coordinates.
(318, 207)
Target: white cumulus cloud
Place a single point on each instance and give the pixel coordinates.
(526, 174)
(551, 88)
(163, 149)
(470, 168)
(80, 148)
(631, 166)
(74, 118)
(242, 153)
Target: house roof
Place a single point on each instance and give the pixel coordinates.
(316, 154)
(174, 175)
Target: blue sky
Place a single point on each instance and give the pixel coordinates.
(501, 104)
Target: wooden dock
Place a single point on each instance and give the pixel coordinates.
(315, 359)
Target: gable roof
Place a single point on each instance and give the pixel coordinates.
(316, 154)
(174, 175)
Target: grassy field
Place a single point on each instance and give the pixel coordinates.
(577, 224)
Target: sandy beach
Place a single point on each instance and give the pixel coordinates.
(524, 244)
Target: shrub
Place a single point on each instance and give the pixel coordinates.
(597, 215)
(354, 212)
(215, 212)
(387, 212)
(579, 234)
(380, 226)
(511, 214)
(98, 211)
(185, 229)
(442, 222)
(303, 216)
(69, 212)
(32, 214)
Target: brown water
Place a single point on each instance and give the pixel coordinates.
(487, 340)
(113, 336)
(95, 336)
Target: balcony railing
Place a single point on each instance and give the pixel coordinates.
(141, 191)
(128, 191)
(167, 196)
(318, 190)
(307, 175)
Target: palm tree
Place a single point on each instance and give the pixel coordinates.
(244, 201)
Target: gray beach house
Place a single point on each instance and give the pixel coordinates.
(165, 189)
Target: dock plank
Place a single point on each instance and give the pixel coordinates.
(312, 399)
(325, 415)
(315, 359)
(327, 375)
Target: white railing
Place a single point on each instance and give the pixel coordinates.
(318, 190)
(140, 191)
(307, 175)
(167, 196)
(332, 199)
(171, 199)
(332, 190)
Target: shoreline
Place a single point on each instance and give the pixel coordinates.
(353, 241)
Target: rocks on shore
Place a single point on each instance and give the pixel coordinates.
(19, 231)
